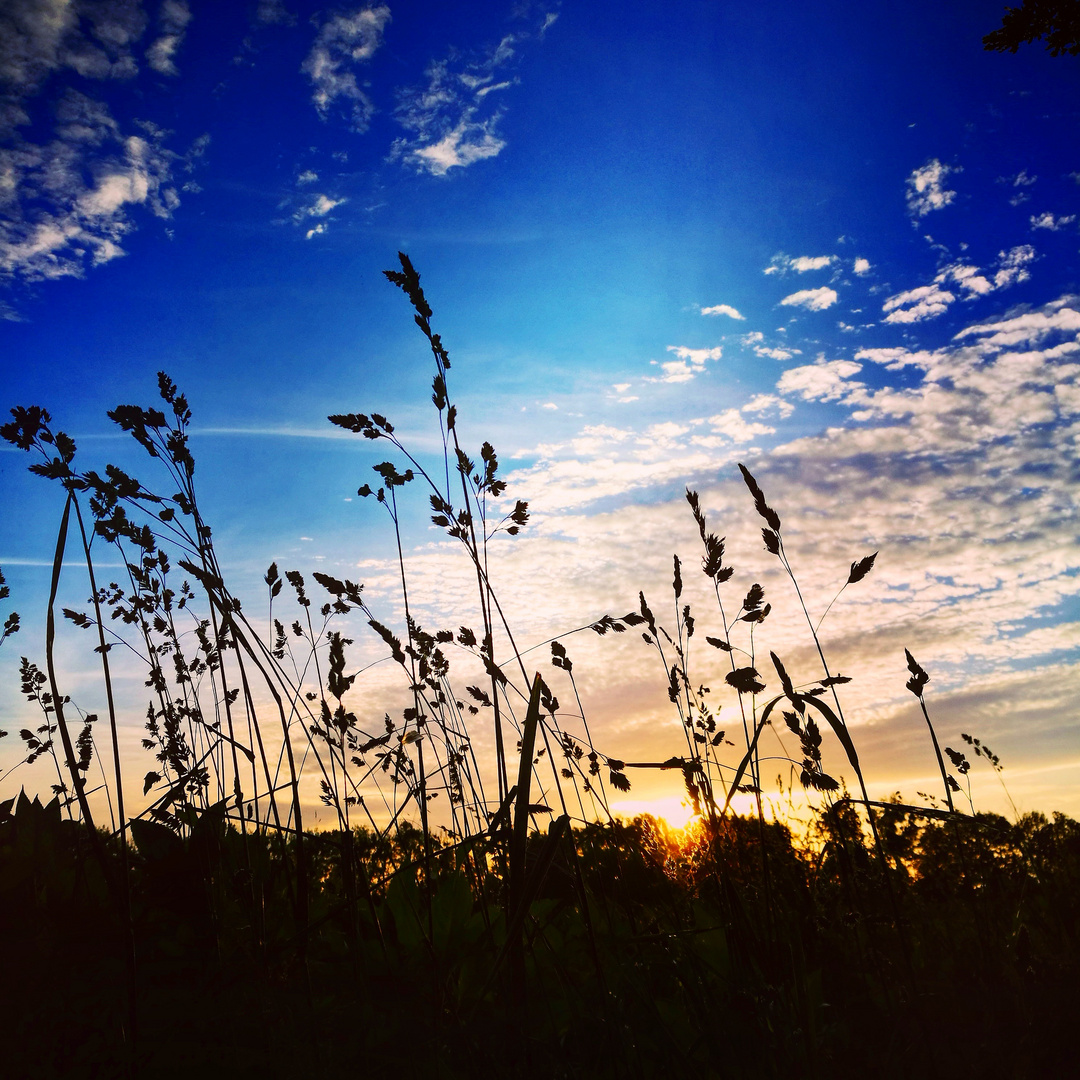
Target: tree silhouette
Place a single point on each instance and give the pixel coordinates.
(1058, 21)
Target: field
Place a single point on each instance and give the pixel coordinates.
(471, 913)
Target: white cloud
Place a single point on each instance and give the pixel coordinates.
(812, 299)
(320, 206)
(1031, 328)
(38, 37)
(463, 145)
(722, 309)
(730, 426)
(1020, 182)
(690, 362)
(862, 266)
(761, 403)
(662, 435)
(929, 301)
(1049, 221)
(893, 358)
(775, 354)
(926, 188)
(308, 176)
(806, 262)
(1011, 266)
(72, 190)
(967, 278)
(451, 121)
(67, 204)
(781, 263)
(827, 380)
(342, 42)
(697, 357)
(915, 305)
(173, 18)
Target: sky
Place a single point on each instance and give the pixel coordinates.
(839, 243)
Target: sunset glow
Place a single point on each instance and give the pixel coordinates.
(675, 812)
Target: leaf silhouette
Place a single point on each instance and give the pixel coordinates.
(746, 680)
(771, 517)
(860, 569)
(919, 678)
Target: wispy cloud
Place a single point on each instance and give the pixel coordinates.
(622, 396)
(342, 43)
(803, 263)
(173, 18)
(811, 299)
(722, 309)
(67, 204)
(1020, 182)
(39, 37)
(71, 192)
(273, 13)
(319, 206)
(926, 189)
(450, 120)
(967, 278)
(1021, 179)
(755, 340)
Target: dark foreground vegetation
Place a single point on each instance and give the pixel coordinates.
(744, 953)
(477, 911)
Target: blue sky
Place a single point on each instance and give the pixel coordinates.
(836, 241)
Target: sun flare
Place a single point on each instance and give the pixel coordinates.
(674, 810)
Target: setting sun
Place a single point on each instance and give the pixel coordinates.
(674, 810)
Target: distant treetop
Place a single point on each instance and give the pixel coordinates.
(1058, 21)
